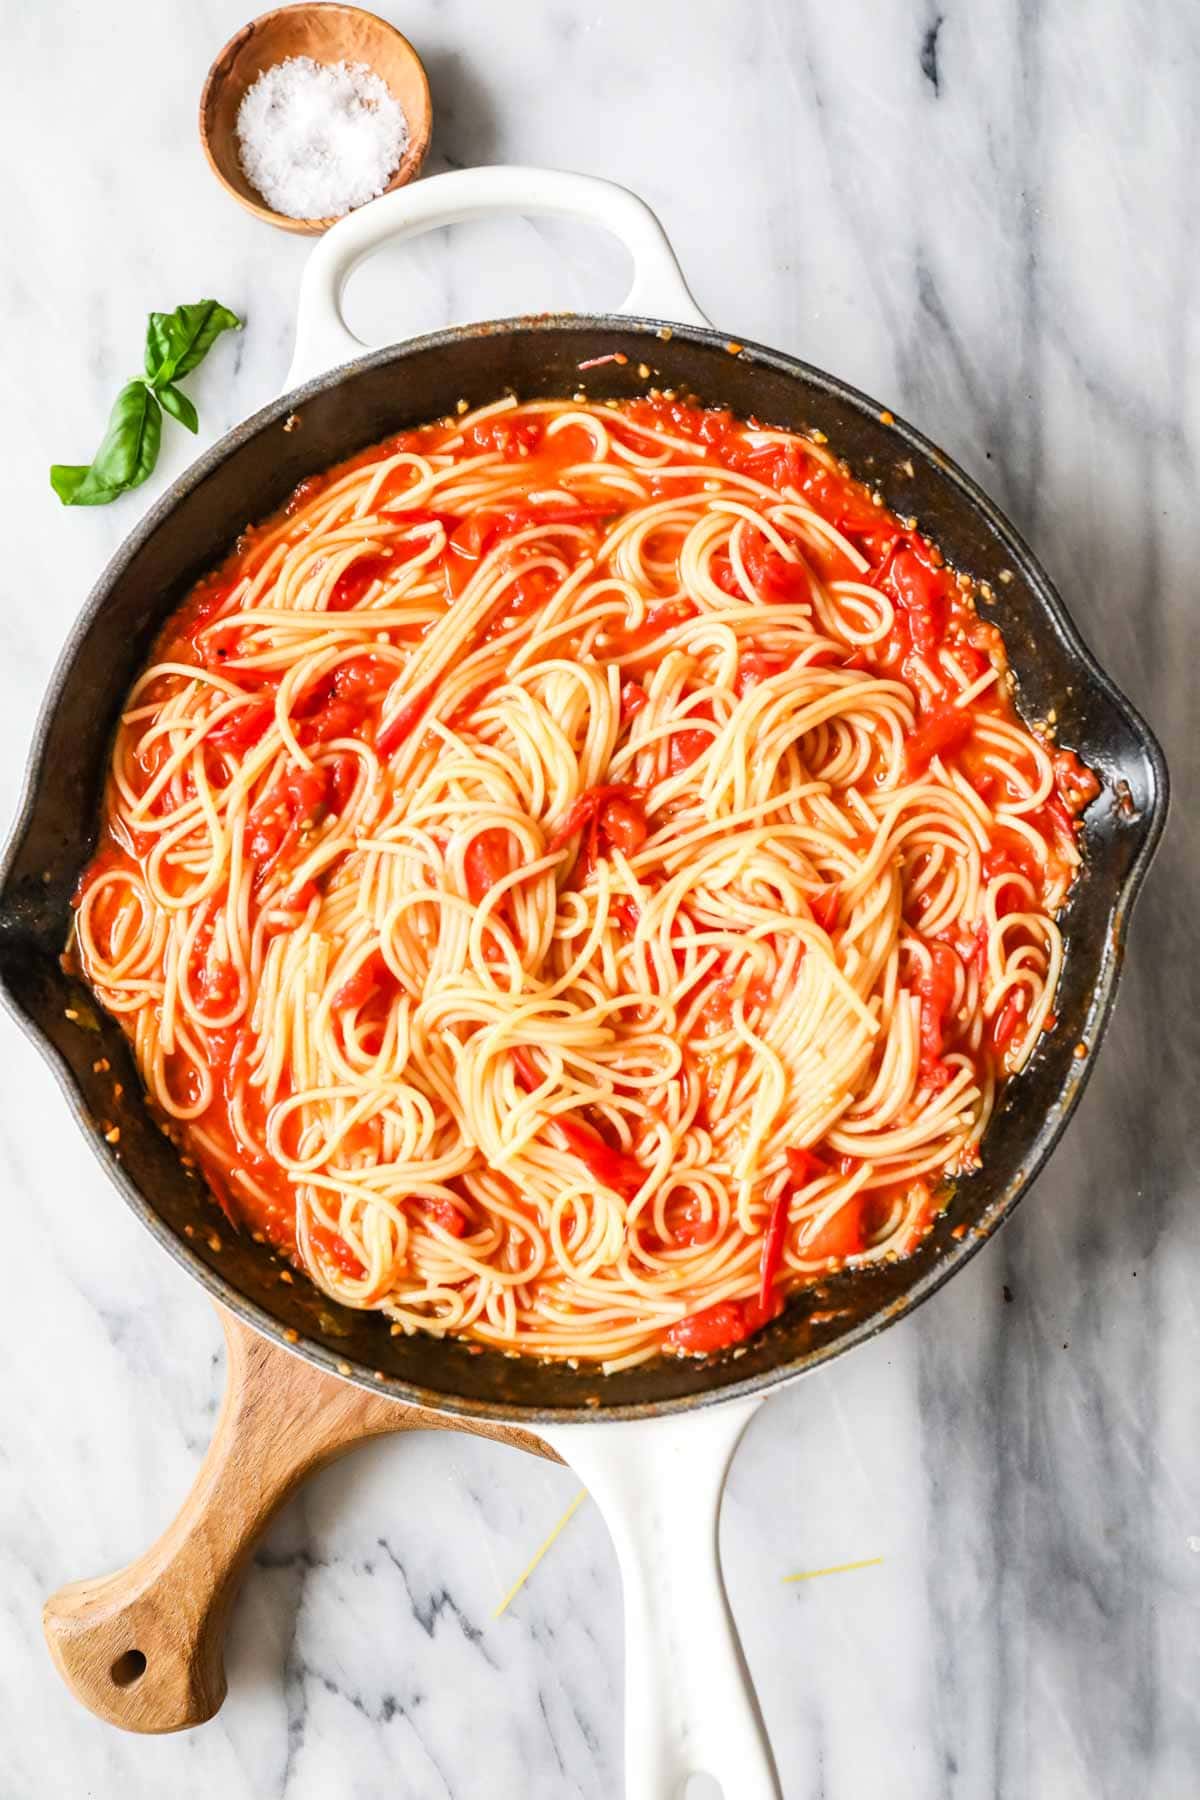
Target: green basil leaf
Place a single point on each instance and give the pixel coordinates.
(174, 401)
(177, 342)
(66, 480)
(91, 491)
(158, 357)
(125, 458)
(130, 449)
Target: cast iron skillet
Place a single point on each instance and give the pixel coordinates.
(251, 472)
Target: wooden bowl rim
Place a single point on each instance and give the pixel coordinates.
(419, 127)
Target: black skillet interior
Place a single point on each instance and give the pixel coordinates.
(250, 473)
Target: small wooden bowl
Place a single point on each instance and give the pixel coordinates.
(329, 34)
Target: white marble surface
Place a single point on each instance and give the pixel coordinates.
(987, 216)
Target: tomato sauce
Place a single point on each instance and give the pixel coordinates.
(937, 644)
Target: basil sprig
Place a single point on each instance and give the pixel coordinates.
(176, 343)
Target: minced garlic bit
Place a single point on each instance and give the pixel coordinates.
(318, 139)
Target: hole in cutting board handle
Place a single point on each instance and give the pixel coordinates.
(128, 1668)
(701, 1787)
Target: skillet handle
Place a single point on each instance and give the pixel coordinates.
(689, 1705)
(323, 340)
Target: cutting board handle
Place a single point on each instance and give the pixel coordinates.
(144, 1647)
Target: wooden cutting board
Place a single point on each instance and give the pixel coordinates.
(144, 1647)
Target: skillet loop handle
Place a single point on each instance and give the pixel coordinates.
(689, 1706)
(323, 340)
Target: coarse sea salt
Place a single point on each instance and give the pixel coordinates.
(318, 139)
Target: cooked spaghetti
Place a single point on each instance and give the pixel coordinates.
(577, 876)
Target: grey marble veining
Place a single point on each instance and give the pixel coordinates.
(987, 216)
